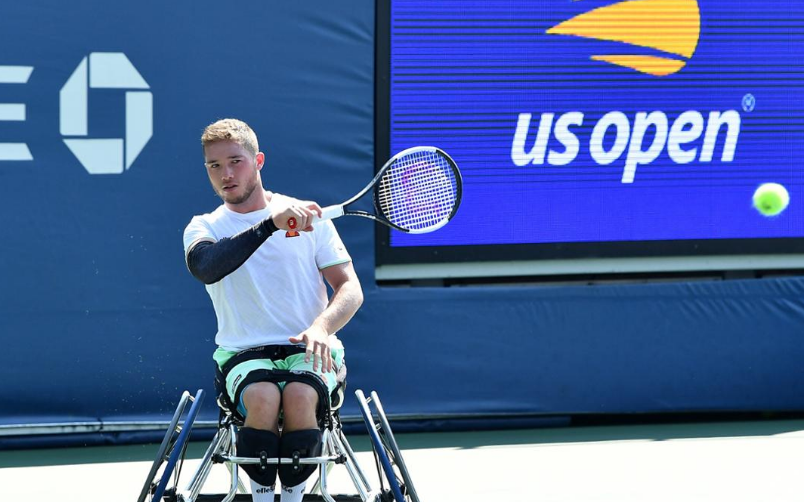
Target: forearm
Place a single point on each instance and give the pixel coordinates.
(343, 304)
(209, 262)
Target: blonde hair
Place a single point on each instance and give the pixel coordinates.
(231, 130)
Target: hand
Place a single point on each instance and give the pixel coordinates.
(317, 342)
(301, 211)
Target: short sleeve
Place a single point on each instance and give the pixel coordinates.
(330, 250)
(197, 230)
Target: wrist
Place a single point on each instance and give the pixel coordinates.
(322, 329)
(269, 226)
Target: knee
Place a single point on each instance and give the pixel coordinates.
(262, 400)
(299, 403)
(301, 394)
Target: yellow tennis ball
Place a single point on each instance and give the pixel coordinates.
(771, 199)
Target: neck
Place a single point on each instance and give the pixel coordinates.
(258, 199)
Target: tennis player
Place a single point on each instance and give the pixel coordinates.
(267, 285)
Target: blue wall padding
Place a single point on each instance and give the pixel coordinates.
(101, 322)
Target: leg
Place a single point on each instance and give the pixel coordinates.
(300, 436)
(299, 403)
(262, 400)
(259, 435)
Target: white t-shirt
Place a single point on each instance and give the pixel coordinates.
(279, 290)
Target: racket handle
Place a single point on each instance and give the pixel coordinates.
(292, 225)
(329, 213)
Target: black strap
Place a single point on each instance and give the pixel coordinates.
(306, 377)
(273, 352)
(270, 352)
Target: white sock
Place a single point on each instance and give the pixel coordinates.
(293, 493)
(261, 493)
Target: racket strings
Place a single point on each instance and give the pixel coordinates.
(418, 191)
(419, 197)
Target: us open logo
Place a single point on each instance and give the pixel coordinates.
(670, 26)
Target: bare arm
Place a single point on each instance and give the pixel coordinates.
(346, 298)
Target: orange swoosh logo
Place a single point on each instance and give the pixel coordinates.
(669, 26)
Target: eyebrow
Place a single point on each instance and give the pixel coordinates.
(213, 161)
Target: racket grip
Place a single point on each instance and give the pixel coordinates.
(329, 213)
(292, 225)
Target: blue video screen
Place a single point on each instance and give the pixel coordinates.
(603, 121)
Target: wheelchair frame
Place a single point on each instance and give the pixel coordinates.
(162, 483)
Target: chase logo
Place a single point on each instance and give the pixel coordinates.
(106, 70)
(670, 26)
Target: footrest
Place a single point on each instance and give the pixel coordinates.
(246, 497)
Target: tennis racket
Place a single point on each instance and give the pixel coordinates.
(417, 191)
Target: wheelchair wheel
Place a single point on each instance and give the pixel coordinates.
(391, 465)
(387, 438)
(171, 451)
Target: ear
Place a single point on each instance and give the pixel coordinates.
(260, 160)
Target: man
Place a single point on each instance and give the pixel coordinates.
(267, 286)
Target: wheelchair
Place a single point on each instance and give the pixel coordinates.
(163, 481)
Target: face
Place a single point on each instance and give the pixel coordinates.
(234, 172)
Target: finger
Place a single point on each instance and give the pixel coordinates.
(315, 208)
(300, 215)
(307, 354)
(327, 367)
(326, 358)
(313, 356)
(308, 218)
(318, 355)
(308, 229)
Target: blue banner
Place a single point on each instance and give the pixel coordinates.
(601, 121)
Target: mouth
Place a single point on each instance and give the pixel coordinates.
(228, 188)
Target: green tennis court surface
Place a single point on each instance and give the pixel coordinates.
(728, 461)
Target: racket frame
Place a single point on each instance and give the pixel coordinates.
(336, 210)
